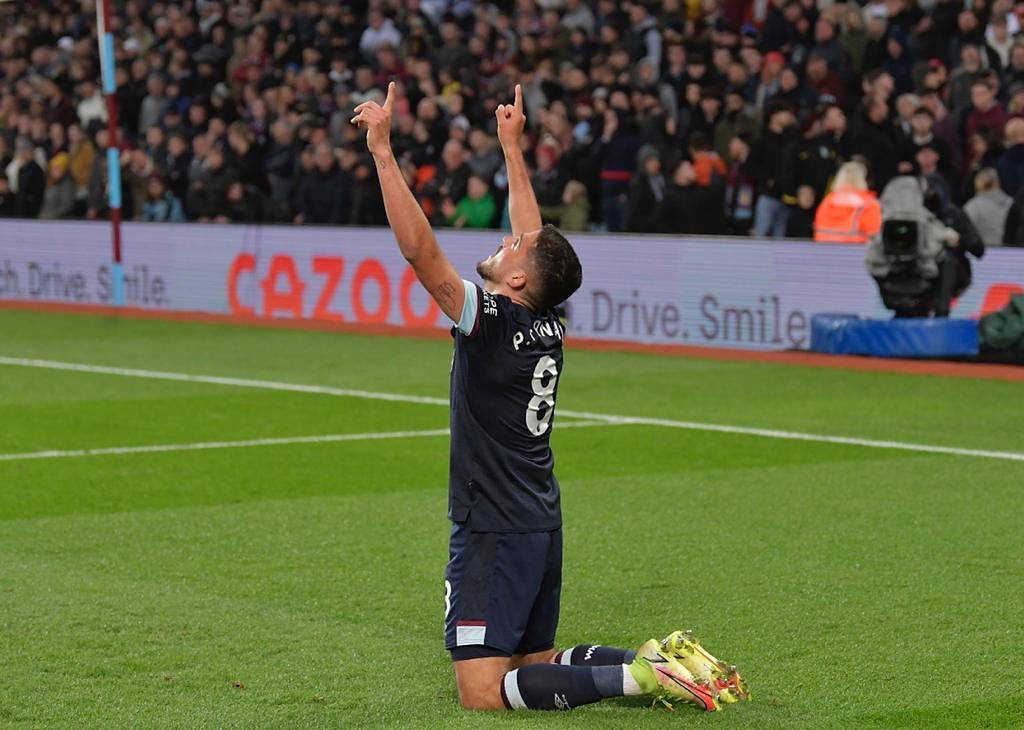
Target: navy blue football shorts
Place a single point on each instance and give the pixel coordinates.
(502, 592)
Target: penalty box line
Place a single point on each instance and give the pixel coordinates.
(590, 418)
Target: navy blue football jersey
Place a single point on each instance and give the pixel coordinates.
(504, 381)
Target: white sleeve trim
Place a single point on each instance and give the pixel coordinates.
(469, 309)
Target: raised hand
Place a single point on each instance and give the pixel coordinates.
(376, 120)
(511, 120)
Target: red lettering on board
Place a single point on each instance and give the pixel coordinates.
(998, 296)
(288, 300)
(371, 269)
(243, 262)
(332, 267)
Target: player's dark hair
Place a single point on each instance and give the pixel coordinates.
(556, 264)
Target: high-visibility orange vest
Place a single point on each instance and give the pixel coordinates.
(847, 216)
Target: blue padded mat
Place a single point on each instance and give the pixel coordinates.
(848, 334)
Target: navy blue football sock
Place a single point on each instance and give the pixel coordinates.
(594, 655)
(558, 687)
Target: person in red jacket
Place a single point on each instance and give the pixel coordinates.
(850, 213)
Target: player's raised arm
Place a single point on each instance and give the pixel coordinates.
(523, 212)
(411, 228)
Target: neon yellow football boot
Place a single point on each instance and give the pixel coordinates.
(724, 678)
(660, 675)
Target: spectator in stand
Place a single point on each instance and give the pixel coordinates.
(983, 150)
(871, 136)
(30, 178)
(850, 213)
(617, 152)
(800, 223)
(646, 192)
(683, 202)
(740, 189)
(986, 111)
(766, 165)
(574, 212)
(161, 205)
(367, 202)
(988, 208)
(264, 82)
(550, 178)
(281, 160)
(208, 194)
(59, 197)
(922, 122)
(1011, 163)
(244, 204)
(812, 160)
(246, 159)
(8, 199)
(323, 194)
(708, 167)
(154, 104)
(450, 179)
(475, 210)
(80, 155)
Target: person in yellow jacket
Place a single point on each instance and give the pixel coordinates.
(850, 213)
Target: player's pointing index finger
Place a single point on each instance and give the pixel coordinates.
(519, 98)
(389, 101)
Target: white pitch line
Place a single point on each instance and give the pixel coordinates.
(203, 445)
(602, 418)
(282, 441)
(217, 380)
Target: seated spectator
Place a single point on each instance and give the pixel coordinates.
(475, 210)
(988, 208)
(59, 197)
(161, 205)
(850, 213)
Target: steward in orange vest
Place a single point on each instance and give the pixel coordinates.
(847, 216)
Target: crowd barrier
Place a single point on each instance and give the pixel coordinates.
(717, 292)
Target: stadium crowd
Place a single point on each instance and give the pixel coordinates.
(695, 116)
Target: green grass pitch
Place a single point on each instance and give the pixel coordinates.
(300, 585)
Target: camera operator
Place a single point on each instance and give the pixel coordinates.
(907, 255)
(955, 271)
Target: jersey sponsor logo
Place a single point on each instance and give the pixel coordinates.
(490, 304)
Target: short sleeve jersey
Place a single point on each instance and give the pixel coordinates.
(504, 378)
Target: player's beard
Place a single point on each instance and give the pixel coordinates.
(485, 269)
